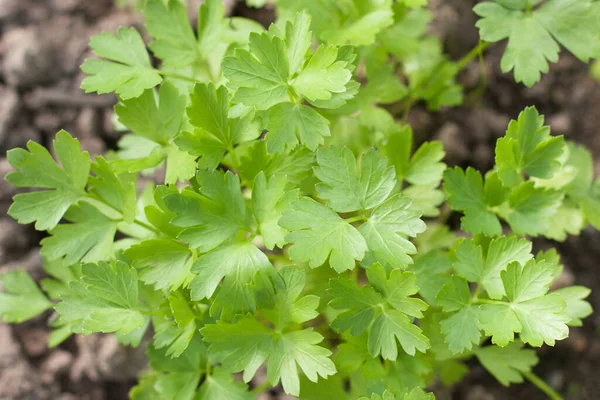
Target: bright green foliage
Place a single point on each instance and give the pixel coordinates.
(528, 148)
(36, 168)
(383, 309)
(159, 124)
(89, 238)
(507, 363)
(290, 124)
(533, 34)
(482, 263)
(214, 215)
(349, 188)
(318, 234)
(287, 150)
(105, 299)
(124, 67)
(254, 343)
(466, 192)
(21, 299)
(241, 263)
(537, 316)
(214, 134)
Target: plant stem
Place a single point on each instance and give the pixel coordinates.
(470, 56)
(543, 386)
(135, 221)
(175, 75)
(355, 219)
(262, 387)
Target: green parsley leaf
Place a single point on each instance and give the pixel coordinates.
(577, 308)
(317, 233)
(238, 264)
(259, 76)
(366, 309)
(323, 75)
(349, 188)
(290, 124)
(532, 35)
(89, 238)
(178, 377)
(215, 133)
(221, 385)
(386, 228)
(296, 165)
(528, 148)
(269, 200)
(277, 295)
(246, 344)
(471, 264)
(532, 209)
(174, 40)
(105, 299)
(157, 118)
(461, 330)
(507, 364)
(298, 40)
(537, 316)
(212, 217)
(124, 68)
(36, 168)
(165, 263)
(465, 191)
(116, 190)
(21, 299)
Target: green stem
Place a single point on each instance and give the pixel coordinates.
(470, 56)
(485, 301)
(543, 386)
(234, 158)
(262, 387)
(175, 75)
(355, 219)
(136, 221)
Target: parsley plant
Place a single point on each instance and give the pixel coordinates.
(298, 229)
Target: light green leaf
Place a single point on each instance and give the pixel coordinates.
(318, 234)
(500, 253)
(528, 148)
(532, 209)
(212, 217)
(124, 67)
(237, 264)
(507, 364)
(174, 40)
(105, 299)
(164, 263)
(154, 117)
(465, 193)
(386, 229)
(36, 168)
(290, 124)
(269, 200)
(215, 133)
(461, 330)
(89, 238)
(323, 75)
(259, 76)
(221, 385)
(348, 187)
(20, 299)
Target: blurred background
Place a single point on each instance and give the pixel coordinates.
(42, 45)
